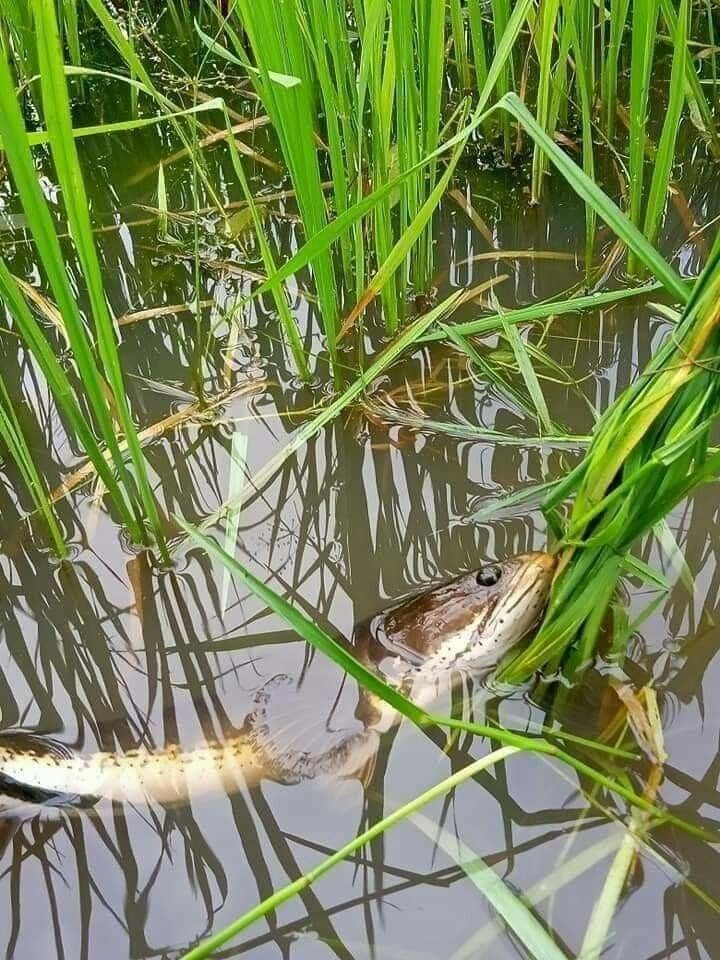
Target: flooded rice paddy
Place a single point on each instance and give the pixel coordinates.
(110, 653)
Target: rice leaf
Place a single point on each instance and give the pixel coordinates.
(527, 371)
(493, 323)
(519, 918)
(644, 24)
(212, 944)
(284, 79)
(662, 166)
(599, 201)
(59, 124)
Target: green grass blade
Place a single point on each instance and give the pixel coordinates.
(400, 251)
(665, 156)
(618, 18)
(599, 201)
(212, 944)
(584, 83)
(162, 203)
(56, 106)
(460, 45)
(679, 568)
(71, 31)
(214, 46)
(543, 36)
(694, 91)
(528, 494)
(491, 375)
(278, 45)
(644, 26)
(39, 137)
(527, 372)
(506, 904)
(507, 29)
(541, 311)
(477, 36)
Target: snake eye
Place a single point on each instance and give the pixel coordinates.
(488, 575)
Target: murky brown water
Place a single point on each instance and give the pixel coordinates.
(108, 652)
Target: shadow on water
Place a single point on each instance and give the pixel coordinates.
(109, 654)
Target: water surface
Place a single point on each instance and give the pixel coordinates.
(111, 653)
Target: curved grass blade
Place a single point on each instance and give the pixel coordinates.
(527, 372)
(644, 251)
(533, 492)
(471, 431)
(519, 918)
(313, 634)
(212, 944)
(493, 323)
(39, 137)
(11, 432)
(492, 376)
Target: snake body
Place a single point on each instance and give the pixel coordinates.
(466, 624)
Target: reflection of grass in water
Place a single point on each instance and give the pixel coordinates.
(523, 923)
(160, 605)
(529, 930)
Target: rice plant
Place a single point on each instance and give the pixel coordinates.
(649, 450)
(100, 371)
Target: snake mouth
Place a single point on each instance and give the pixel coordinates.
(537, 570)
